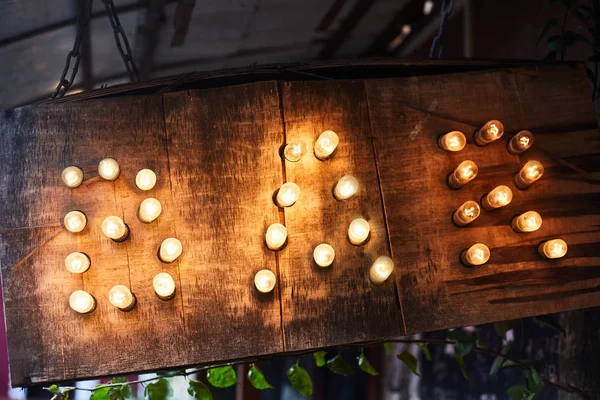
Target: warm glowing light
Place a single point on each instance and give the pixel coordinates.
(149, 210)
(466, 213)
(358, 231)
(72, 176)
(346, 187)
(324, 255)
(478, 254)
(75, 221)
(520, 142)
(499, 197)
(555, 248)
(491, 131)
(121, 297)
(109, 169)
(145, 179)
(530, 221)
(452, 141)
(164, 286)
(77, 263)
(463, 174)
(82, 302)
(170, 249)
(276, 236)
(531, 172)
(114, 228)
(264, 280)
(287, 194)
(326, 144)
(381, 269)
(428, 7)
(294, 151)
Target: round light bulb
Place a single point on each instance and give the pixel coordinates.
(499, 197)
(77, 263)
(276, 236)
(345, 188)
(452, 141)
(72, 176)
(145, 179)
(555, 248)
(531, 172)
(114, 228)
(466, 213)
(478, 254)
(109, 169)
(121, 297)
(491, 131)
(287, 194)
(149, 210)
(326, 144)
(358, 231)
(324, 255)
(82, 302)
(164, 286)
(294, 151)
(75, 221)
(530, 221)
(170, 249)
(381, 269)
(463, 174)
(520, 142)
(264, 280)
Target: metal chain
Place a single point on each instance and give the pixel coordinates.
(445, 11)
(121, 40)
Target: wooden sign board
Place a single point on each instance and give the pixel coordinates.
(216, 156)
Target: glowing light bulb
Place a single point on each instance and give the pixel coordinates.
(294, 151)
(452, 141)
(121, 297)
(499, 197)
(82, 302)
(72, 176)
(149, 210)
(463, 174)
(555, 248)
(326, 144)
(478, 254)
(358, 231)
(287, 194)
(75, 221)
(77, 263)
(531, 172)
(164, 286)
(324, 255)
(109, 169)
(491, 131)
(114, 228)
(345, 188)
(530, 221)
(520, 142)
(264, 280)
(381, 269)
(466, 213)
(170, 249)
(145, 179)
(276, 236)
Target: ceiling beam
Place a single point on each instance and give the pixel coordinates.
(148, 31)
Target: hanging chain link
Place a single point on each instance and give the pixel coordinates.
(438, 40)
(121, 40)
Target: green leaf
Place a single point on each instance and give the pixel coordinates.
(221, 377)
(159, 390)
(199, 390)
(365, 365)
(464, 342)
(54, 389)
(257, 378)
(339, 366)
(115, 394)
(535, 383)
(552, 22)
(300, 380)
(549, 320)
(504, 326)
(425, 349)
(520, 392)
(478, 342)
(461, 364)
(125, 389)
(409, 360)
(498, 360)
(528, 364)
(100, 394)
(168, 374)
(320, 358)
(387, 346)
